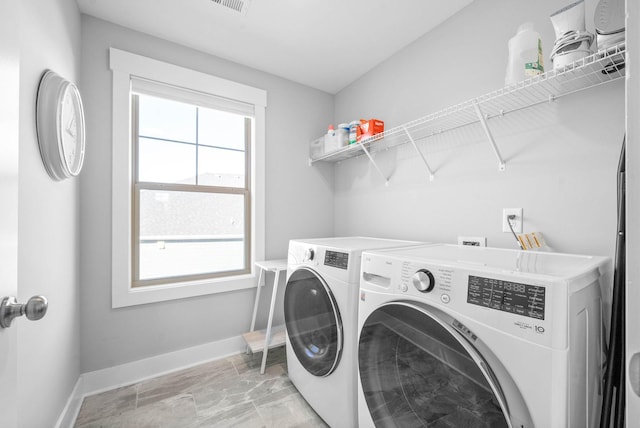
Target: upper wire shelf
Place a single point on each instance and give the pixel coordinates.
(594, 70)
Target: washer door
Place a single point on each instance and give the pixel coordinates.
(313, 322)
(418, 368)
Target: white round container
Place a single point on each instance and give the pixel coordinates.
(525, 55)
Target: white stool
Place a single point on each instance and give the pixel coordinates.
(264, 340)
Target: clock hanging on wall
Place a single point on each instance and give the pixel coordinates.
(60, 126)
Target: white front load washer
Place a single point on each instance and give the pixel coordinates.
(455, 336)
(320, 311)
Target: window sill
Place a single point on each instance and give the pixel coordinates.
(123, 297)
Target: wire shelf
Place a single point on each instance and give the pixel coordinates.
(594, 70)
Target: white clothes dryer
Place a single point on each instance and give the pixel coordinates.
(454, 336)
(320, 311)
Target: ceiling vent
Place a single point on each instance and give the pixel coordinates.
(240, 6)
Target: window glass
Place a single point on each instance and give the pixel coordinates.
(190, 233)
(166, 119)
(166, 162)
(220, 129)
(221, 167)
(183, 229)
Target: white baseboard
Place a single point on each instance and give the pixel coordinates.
(70, 412)
(126, 374)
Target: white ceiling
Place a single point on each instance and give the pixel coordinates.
(325, 44)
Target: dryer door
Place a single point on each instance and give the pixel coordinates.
(418, 368)
(313, 322)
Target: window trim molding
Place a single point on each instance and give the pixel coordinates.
(124, 67)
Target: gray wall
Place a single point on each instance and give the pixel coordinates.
(299, 202)
(48, 229)
(561, 157)
(561, 161)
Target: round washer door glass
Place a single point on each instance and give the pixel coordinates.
(313, 322)
(415, 373)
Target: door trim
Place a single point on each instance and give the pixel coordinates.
(9, 171)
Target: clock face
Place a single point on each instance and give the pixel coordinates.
(60, 126)
(72, 130)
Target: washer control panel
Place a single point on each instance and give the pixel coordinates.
(507, 296)
(436, 282)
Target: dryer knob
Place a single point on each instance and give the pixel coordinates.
(309, 255)
(423, 281)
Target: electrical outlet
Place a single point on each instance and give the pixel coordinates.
(516, 223)
(474, 241)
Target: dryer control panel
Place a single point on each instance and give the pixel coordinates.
(336, 259)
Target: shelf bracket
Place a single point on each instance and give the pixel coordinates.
(373, 162)
(483, 121)
(415, 146)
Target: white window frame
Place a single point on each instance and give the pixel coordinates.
(124, 67)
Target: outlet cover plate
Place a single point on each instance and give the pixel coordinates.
(474, 241)
(515, 223)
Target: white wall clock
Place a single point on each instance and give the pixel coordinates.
(60, 126)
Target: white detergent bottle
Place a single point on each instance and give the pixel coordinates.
(525, 55)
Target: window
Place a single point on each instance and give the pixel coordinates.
(188, 166)
(191, 209)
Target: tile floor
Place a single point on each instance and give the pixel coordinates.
(226, 393)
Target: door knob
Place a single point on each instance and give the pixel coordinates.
(34, 309)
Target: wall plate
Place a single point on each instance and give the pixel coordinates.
(474, 241)
(516, 223)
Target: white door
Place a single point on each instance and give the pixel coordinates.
(9, 100)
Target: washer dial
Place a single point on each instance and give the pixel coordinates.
(423, 281)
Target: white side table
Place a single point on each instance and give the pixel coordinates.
(263, 340)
